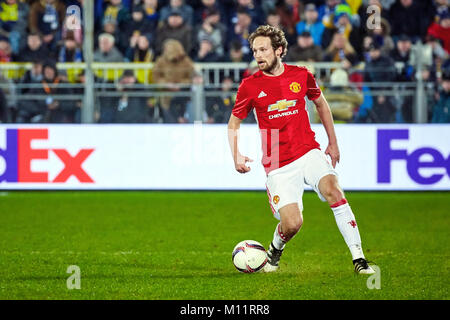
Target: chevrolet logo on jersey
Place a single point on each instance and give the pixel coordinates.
(281, 105)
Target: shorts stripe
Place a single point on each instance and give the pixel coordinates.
(270, 201)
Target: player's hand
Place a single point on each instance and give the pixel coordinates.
(241, 164)
(333, 151)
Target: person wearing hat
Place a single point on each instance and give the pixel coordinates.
(441, 110)
(312, 24)
(305, 49)
(402, 53)
(182, 8)
(379, 68)
(174, 27)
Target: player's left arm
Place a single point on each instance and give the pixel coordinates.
(325, 115)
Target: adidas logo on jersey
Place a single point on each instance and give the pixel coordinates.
(262, 94)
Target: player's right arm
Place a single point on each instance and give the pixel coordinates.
(240, 161)
(240, 111)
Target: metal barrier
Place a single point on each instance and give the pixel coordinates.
(109, 74)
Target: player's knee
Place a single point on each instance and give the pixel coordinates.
(331, 191)
(333, 195)
(292, 226)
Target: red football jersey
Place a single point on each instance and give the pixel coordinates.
(280, 109)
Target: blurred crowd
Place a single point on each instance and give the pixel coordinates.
(381, 35)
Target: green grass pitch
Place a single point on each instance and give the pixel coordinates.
(177, 245)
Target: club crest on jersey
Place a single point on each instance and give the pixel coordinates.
(295, 87)
(281, 105)
(276, 199)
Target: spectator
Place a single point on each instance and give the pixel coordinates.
(206, 53)
(150, 9)
(47, 17)
(206, 6)
(289, 11)
(120, 37)
(32, 76)
(14, 22)
(116, 13)
(312, 24)
(441, 110)
(212, 29)
(106, 51)
(383, 109)
(380, 68)
(343, 25)
(130, 109)
(252, 7)
(242, 29)
(326, 12)
(340, 50)
(406, 17)
(343, 99)
(441, 30)
(139, 23)
(218, 107)
(304, 50)
(402, 53)
(184, 10)
(174, 28)
(173, 68)
(274, 19)
(35, 50)
(140, 50)
(49, 109)
(236, 54)
(5, 51)
(381, 35)
(70, 51)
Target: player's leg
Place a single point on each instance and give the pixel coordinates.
(290, 223)
(345, 219)
(285, 190)
(321, 176)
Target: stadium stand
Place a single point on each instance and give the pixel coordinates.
(390, 57)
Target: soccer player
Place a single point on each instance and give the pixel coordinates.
(291, 155)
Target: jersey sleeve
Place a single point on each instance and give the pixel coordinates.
(243, 104)
(313, 92)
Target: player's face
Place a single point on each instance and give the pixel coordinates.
(265, 56)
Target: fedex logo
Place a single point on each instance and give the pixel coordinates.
(18, 155)
(413, 160)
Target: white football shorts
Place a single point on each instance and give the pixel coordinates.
(285, 185)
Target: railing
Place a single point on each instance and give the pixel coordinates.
(108, 76)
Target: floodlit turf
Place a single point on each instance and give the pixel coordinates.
(177, 245)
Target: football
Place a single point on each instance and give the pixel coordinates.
(249, 256)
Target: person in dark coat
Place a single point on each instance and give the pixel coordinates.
(305, 49)
(407, 17)
(130, 109)
(50, 109)
(34, 50)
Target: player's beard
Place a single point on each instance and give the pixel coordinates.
(270, 66)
